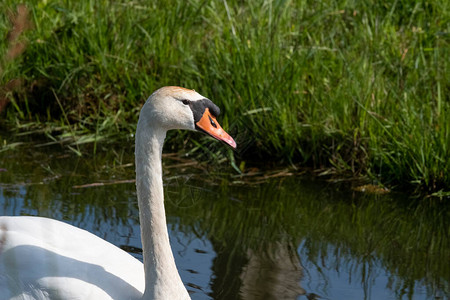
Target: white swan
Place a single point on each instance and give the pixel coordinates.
(42, 258)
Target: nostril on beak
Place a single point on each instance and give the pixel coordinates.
(212, 122)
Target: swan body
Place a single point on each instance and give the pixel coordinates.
(41, 258)
(47, 259)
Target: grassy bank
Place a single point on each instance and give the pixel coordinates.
(357, 86)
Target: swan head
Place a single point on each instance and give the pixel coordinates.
(174, 107)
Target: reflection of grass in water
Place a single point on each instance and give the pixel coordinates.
(360, 87)
(54, 174)
(409, 240)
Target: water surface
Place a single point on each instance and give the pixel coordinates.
(285, 238)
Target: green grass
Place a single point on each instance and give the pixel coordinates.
(358, 86)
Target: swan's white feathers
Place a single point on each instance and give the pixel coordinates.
(178, 93)
(165, 108)
(40, 255)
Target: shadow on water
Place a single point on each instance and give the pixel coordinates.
(289, 238)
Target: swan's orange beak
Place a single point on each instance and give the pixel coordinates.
(209, 124)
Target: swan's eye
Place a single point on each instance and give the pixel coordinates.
(185, 101)
(213, 124)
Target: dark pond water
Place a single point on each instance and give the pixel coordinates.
(286, 238)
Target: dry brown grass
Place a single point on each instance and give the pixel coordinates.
(20, 22)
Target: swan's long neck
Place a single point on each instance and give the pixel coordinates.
(162, 280)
